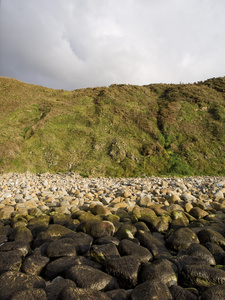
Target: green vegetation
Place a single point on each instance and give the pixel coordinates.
(120, 130)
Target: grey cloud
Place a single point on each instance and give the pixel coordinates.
(74, 44)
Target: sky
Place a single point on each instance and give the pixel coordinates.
(72, 44)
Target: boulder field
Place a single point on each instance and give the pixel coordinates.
(67, 237)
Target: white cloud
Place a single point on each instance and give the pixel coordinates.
(73, 44)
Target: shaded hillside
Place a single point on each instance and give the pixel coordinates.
(122, 130)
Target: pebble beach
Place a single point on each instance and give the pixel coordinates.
(63, 236)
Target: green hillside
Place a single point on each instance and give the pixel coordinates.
(120, 130)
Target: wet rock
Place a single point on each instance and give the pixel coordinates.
(62, 247)
(126, 231)
(88, 277)
(53, 289)
(61, 219)
(21, 233)
(155, 245)
(69, 293)
(119, 294)
(127, 247)
(13, 282)
(161, 269)
(200, 251)
(53, 232)
(209, 235)
(97, 229)
(82, 241)
(146, 215)
(59, 266)
(30, 294)
(151, 289)
(214, 293)
(198, 213)
(100, 253)
(100, 210)
(181, 238)
(22, 247)
(180, 293)
(10, 261)
(34, 264)
(107, 240)
(125, 269)
(201, 276)
(217, 252)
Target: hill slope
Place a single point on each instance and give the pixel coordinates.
(121, 130)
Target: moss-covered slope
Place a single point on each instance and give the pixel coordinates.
(121, 130)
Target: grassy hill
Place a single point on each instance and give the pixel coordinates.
(120, 130)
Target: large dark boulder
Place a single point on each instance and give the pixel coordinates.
(119, 294)
(34, 264)
(62, 247)
(10, 261)
(125, 269)
(54, 288)
(161, 269)
(69, 293)
(217, 252)
(22, 247)
(88, 277)
(181, 238)
(153, 244)
(180, 293)
(214, 293)
(30, 294)
(100, 253)
(127, 247)
(201, 276)
(210, 235)
(151, 290)
(200, 251)
(96, 228)
(13, 282)
(59, 266)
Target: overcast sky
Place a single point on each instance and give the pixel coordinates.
(70, 44)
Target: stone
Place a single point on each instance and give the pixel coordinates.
(180, 293)
(65, 246)
(210, 235)
(103, 252)
(216, 292)
(217, 252)
(181, 238)
(30, 294)
(198, 213)
(200, 251)
(119, 294)
(54, 288)
(23, 248)
(127, 247)
(201, 276)
(155, 245)
(145, 200)
(151, 289)
(34, 264)
(59, 266)
(161, 269)
(125, 269)
(10, 261)
(97, 229)
(69, 293)
(21, 233)
(13, 282)
(87, 277)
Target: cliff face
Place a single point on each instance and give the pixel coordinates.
(121, 130)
